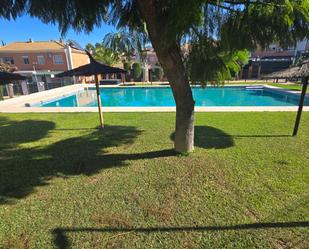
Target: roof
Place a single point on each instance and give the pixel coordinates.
(296, 71)
(37, 72)
(304, 69)
(6, 76)
(32, 46)
(269, 54)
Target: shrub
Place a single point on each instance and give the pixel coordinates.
(137, 71)
(127, 67)
(158, 73)
(1, 92)
(153, 75)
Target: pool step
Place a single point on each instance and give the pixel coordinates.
(254, 88)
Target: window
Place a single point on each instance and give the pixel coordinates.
(25, 60)
(8, 60)
(57, 58)
(41, 59)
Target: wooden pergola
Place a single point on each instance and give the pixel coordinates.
(300, 71)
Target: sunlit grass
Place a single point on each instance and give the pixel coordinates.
(66, 184)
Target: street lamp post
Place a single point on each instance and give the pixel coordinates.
(34, 70)
(40, 85)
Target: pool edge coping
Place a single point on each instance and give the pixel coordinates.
(17, 105)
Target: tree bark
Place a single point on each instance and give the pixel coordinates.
(169, 56)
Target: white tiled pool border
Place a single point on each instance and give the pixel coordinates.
(17, 105)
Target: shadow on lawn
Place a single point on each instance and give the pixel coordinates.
(17, 132)
(24, 168)
(61, 240)
(208, 137)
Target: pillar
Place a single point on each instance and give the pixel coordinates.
(10, 90)
(146, 73)
(24, 87)
(41, 86)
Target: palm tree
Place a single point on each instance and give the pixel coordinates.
(127, 42)
(105, 55)
(89, 47)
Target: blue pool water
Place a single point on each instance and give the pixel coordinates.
(162, 96)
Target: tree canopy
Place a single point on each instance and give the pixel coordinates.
(5, 67)
(217, 33)
(126, 42)
(218, 30)
(103, 54)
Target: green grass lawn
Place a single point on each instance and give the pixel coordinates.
(65, 184)
(293, 87)
(290, 86)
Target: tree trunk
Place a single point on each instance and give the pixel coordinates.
(175, 72)
(169, 55)
(184, 133)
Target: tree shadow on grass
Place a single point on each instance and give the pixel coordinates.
(262, 136)
(14, 133)
(62, 241)
(22, 168)
(208, 137)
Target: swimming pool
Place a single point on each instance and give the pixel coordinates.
(162, 96)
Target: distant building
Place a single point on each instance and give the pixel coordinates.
(41, 60)
(261, 61)
(148, 59)
(271, 59)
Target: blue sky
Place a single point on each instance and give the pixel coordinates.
(26, 27)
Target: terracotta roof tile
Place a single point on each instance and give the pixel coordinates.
(32, 46)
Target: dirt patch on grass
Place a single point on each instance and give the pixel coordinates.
(23, 241)
(188, 241)
(250, 213)
(94, 179)
(113, 220)
(161, 214)
(281, 244)
(299, 243)
(41, 196)
(115, 243)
